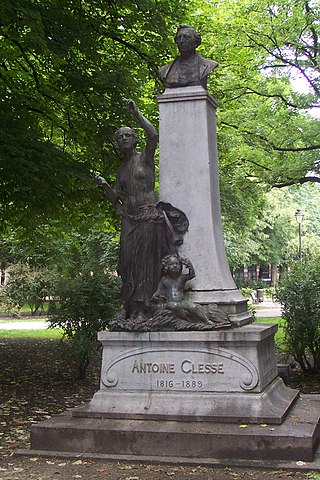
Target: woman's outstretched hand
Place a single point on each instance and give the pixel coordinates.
(132, 107)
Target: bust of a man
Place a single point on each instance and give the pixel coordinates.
(189, 68)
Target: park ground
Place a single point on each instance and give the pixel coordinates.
(35, 383)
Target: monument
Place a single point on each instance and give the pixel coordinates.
(183, 365)
(188, 150)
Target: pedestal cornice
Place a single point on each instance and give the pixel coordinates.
(185, 94)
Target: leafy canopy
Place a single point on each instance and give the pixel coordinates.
(64, 68)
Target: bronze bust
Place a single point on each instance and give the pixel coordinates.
(189, 68)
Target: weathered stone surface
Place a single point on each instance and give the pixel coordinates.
(189, 179)
(224, 375)
(296, 439)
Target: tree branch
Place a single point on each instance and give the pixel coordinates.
(284, 60)
(257, 164)
(92, 108)
(313, 179)
(313, 31)
(250, 91)
(136, 50)
(33, 70)
(272, 145)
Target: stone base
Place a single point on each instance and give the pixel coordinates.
(296, 439)
(222, 375)
(189, 395)
(270, 406)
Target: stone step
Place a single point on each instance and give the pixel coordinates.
(295, 440)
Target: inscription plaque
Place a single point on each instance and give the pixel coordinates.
(180, 369)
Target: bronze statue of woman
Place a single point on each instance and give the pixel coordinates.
(149, 230)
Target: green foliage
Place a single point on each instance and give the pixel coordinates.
(266, 138)
(313, 476)
(280, 333)
(88, 296)
(266, 135)
(273, 236)
(307, 197)
(64, 68)
(83, 286)
(28, 285)
(248, 283)
(299, 294)
(50, 334)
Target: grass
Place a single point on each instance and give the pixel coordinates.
(279, 336)
(48, 333)
(269, 320)
(26, 309)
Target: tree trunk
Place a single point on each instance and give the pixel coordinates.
(274, 275)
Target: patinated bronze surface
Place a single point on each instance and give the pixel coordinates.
(171, 310)
(149, 230)
(189, 68)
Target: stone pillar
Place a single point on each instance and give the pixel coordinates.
(189, 179)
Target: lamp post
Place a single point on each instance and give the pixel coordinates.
(299, 218)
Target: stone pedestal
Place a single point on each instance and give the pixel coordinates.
(189, 179)
(181, 397)
(221, 376)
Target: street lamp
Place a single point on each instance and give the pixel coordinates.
(299, 217)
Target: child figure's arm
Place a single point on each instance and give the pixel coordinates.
(191, 274)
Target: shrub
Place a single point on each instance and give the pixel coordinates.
(87, 299)
(28, 286)
(299, 294)
(249, 283)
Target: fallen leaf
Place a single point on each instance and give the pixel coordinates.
(263, 425)
(124, 467)
(243, 426)
(285, 474)
(77, 462)
(153, 468)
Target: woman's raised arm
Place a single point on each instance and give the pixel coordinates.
(151, 132)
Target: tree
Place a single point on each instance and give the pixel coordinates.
(64, 68)
(273, 238)
(291, 41)
(87, 296)
(307, 198)
(265, 134)
(28, 286)
(66, 65)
